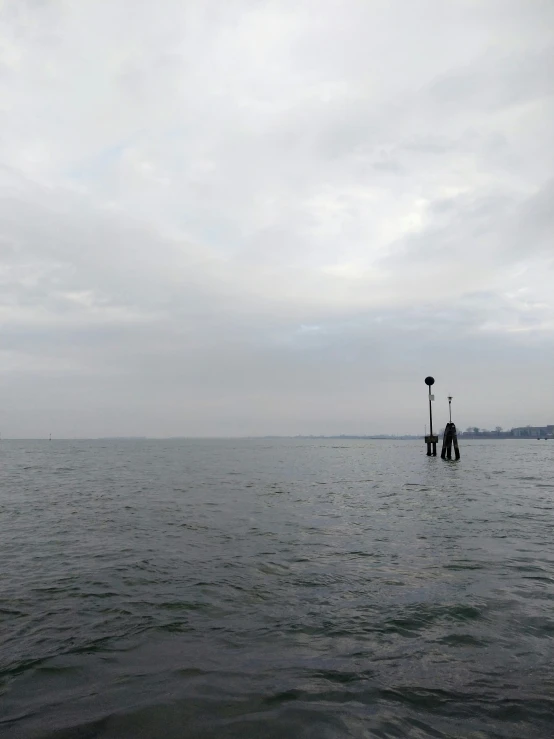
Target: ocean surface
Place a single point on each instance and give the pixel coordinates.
(276, 589)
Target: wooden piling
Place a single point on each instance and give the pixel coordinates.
(450, 439)
(455, 442)
(446, 443)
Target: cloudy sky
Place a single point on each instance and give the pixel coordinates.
(236, 217)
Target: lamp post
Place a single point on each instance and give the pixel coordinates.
(431, 440)
(450, 407)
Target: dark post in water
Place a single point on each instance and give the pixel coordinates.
(431, 440)
(450, 436)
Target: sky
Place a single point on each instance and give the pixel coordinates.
(251, 217)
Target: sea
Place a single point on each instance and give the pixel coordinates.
(276, 588)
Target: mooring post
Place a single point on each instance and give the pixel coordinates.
(446, 442)
(450, 436)
(431, 440)
(455, 440)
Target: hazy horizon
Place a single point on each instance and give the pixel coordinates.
(275, 217)
(338, 435)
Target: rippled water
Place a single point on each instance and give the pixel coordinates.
(283, 588)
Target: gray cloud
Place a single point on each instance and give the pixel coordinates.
(274, 217)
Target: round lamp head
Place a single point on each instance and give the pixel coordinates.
(429, 381)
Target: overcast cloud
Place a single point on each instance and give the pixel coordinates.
(254, 216)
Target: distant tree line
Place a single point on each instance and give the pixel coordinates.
(477, 430)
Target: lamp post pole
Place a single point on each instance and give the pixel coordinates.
(430, 412)
(431, 440)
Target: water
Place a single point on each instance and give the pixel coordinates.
(286, 588)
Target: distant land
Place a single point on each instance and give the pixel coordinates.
(355, 436)
(120, 438)
(472, 432)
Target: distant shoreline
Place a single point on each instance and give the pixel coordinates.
(344, 437)
(461, 436)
